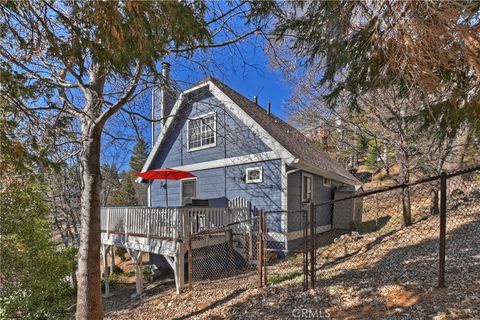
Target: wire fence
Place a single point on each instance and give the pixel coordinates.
(225, 252)
(282, 264)
(418, 235)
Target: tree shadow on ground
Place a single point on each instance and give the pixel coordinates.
(402, 284)
(121, 298)
(399, 283)
(217, 303)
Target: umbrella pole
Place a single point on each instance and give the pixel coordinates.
(166, 192)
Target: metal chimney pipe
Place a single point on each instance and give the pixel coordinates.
(269, 108)
(165, 72)
(255, 99)
(165, 108)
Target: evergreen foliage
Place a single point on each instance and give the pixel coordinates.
(125, 195)
(33, 271)
(139, 155)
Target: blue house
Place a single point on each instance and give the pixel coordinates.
(241, 156)
(235, 148)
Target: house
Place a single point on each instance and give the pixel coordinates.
(235, 148)
(242, 157)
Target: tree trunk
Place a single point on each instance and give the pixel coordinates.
(89, 299)
(406, 207)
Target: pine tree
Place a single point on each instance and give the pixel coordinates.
(139, 156)
(125, 195)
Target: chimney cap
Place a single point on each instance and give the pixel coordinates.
(165, 72)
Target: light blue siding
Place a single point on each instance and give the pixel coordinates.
(229, 183)
(321, 193)
(233, 137)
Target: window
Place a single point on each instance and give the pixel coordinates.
(254, 175)
(189, 189)
(327, 182)
(201, 132)
(307, 187)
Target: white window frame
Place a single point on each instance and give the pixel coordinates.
(327, 184)
(181, 188)
(211, 145)
(259, 180)
(304, 198)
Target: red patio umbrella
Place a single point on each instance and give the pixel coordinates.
(164, 174)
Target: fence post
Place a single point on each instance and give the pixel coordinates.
(190, 261)
(443, 229)
(311, 209)
(260, 250)
(264, 248)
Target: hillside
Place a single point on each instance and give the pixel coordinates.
(376, 277)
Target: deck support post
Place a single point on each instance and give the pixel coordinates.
(178, 265)
(112, 259)
(136, 256)
(105, 250)
(180, 268)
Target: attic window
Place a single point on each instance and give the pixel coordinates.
(202, 132)
(254, 175)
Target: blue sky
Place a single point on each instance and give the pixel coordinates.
(245, 69)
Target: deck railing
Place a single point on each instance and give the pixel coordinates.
(167, 223)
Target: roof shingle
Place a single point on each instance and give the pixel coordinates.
(289, 137)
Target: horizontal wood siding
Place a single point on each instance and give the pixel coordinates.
(211, 184)
(233, 137)
(294, 201)
(321, 193)
(265, 195)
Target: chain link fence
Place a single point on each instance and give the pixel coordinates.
(224, 253)
(417, 236)
(462, 232)
(366, 246)
(283, 264)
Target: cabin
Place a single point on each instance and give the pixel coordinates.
(236, 150)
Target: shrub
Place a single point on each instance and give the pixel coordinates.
(34, 274)
(121, 252)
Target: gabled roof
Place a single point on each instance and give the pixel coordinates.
(303, 149)
(289, 137)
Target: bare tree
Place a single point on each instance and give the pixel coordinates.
(342, 52)
(85, 61)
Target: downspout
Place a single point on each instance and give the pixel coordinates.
(286, 184)
(286, 208)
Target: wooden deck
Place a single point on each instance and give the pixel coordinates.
(159, 230)
(166, 231)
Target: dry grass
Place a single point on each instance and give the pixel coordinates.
(392, 276)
